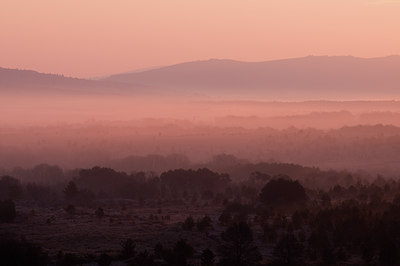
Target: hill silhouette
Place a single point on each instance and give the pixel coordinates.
(311, 77)
(305, 78)
(28, 81)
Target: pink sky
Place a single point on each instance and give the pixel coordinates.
(86, 38)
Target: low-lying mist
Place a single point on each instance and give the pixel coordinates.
(89, 130)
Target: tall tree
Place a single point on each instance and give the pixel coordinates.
(238, 247)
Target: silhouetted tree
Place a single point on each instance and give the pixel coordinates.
(158, 250)
(188, 224)
(99, 212)
(328, 257)
(288, 250)
(70, 209)
(238, 248)
(128, 249)
(204, 224)
(68, 259)
(143, 259)
(207, 257)
(367, 252)
(7, 211)
(388, 254)
(10, 188)
(71, 191)
(225, 218)
(283, 191)
(182, 251)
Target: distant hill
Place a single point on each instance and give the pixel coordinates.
(305, 78)
(28, 81)
(312, 77)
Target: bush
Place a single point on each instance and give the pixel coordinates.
(225, 218)
(144, 259)
(207, 257)
(128, 249)
(204, 224)
(70, 209)
(99, 212)
(188, 224)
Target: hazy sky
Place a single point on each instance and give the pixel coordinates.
(86, 38)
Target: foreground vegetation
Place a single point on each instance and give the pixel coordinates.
(200, 217)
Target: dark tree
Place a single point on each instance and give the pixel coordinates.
(207, 257)
(238, 248)
(158, 250)
(143, 259)
(188, 224)
(10, 188)
(70, 209)
(128, 249)
(182, 251)
(288, 250)
(71, 191)
(99, 212)
(204, 224)
(225, 218)
(388, 254)
(328, 257)
(7, 211)
(283, 191)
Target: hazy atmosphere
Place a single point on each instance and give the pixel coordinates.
(94, 38)
(205, 133)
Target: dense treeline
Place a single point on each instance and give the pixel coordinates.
(264, 219)
(128, 146)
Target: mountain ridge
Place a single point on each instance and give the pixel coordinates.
(302, 78)
(28, 81)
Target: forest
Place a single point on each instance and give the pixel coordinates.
(274, 214)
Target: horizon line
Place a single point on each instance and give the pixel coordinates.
(149, 68)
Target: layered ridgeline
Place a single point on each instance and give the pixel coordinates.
(312, 77)
(31, 82)
(306, 78)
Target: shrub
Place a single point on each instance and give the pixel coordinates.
(128, 249)
(70, 209)
(207, 257)
(225, 218)
(188, 224)
(204, 223)
(99, 212)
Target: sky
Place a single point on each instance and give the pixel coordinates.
(92, 38)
